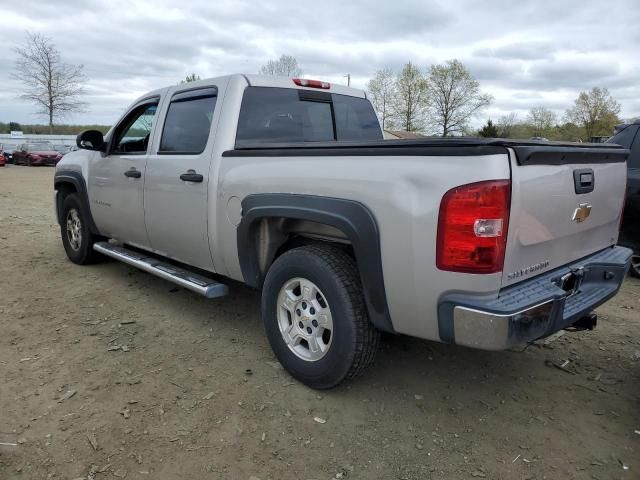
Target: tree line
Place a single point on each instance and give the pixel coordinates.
(594, 113)
(35, 129)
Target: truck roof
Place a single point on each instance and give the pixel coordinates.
(264, 81)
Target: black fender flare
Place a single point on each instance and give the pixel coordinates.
(77, 180)
(352, 218)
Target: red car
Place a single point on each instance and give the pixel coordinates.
(3, 160)
(36, 154)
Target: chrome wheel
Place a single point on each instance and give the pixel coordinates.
(74, 229)
(304, 318)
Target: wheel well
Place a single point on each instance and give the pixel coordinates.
(63, 190)
(272, 223)
(277, 235)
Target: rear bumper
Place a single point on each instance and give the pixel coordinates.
(534, 308)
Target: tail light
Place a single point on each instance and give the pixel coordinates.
(303, 82)
(472, 227)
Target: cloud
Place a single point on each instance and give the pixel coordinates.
(524, 54)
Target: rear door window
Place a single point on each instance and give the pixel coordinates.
(188, 122)
(287, 115)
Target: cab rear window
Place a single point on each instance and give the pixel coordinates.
(286, 115)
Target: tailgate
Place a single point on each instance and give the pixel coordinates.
(565, 204)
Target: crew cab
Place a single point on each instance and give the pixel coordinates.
(286, 185)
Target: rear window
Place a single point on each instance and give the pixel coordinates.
(287, 115)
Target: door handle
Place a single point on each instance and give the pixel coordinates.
(191, 176)
(133, 173)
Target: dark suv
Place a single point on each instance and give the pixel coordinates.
(628, 135)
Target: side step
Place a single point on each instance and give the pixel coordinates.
(206, 287)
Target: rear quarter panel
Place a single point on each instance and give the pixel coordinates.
(402, 192)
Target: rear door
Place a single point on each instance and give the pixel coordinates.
(566, 204)
(177, 178)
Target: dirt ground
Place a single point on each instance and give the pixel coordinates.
(108, 372)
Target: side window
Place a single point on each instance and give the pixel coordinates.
(634, 158)
(132, 135)
(188, 122)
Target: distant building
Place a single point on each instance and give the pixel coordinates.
(399, 134)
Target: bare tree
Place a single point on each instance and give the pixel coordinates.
(410, 100)
(596, 111)
(49, 83)
(506, 124)
(382, 90)
(541, 119)
(286, 66)
(190, 78)
(454, 97)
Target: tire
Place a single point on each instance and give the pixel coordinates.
(28, 163)
(77, 239)
(635, 265)
(337, 303)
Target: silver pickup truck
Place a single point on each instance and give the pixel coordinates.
(286, 185)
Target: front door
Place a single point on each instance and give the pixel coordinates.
(116, 181)
(177, 179)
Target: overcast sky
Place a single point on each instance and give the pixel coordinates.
(538, 53)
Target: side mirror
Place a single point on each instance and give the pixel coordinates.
(90, 140)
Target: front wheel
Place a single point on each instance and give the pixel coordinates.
(315, 316)
(77, 238)
(635, 266)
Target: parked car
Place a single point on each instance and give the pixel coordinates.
(62, 149)
(627, 135)
(3, 156)
(286, 185)
(6, 151)
(32, 154)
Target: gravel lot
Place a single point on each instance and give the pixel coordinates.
(108, 372)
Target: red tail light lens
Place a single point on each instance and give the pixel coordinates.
(472, 227)
(303, 82)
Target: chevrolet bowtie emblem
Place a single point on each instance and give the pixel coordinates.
(581, 213)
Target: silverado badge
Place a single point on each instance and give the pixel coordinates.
(581, 213)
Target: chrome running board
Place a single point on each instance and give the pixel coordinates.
(195, 282)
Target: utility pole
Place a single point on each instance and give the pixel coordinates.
(348, 76)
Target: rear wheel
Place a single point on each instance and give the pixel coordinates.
(77, 239)
(635, 265)
(315, 316)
